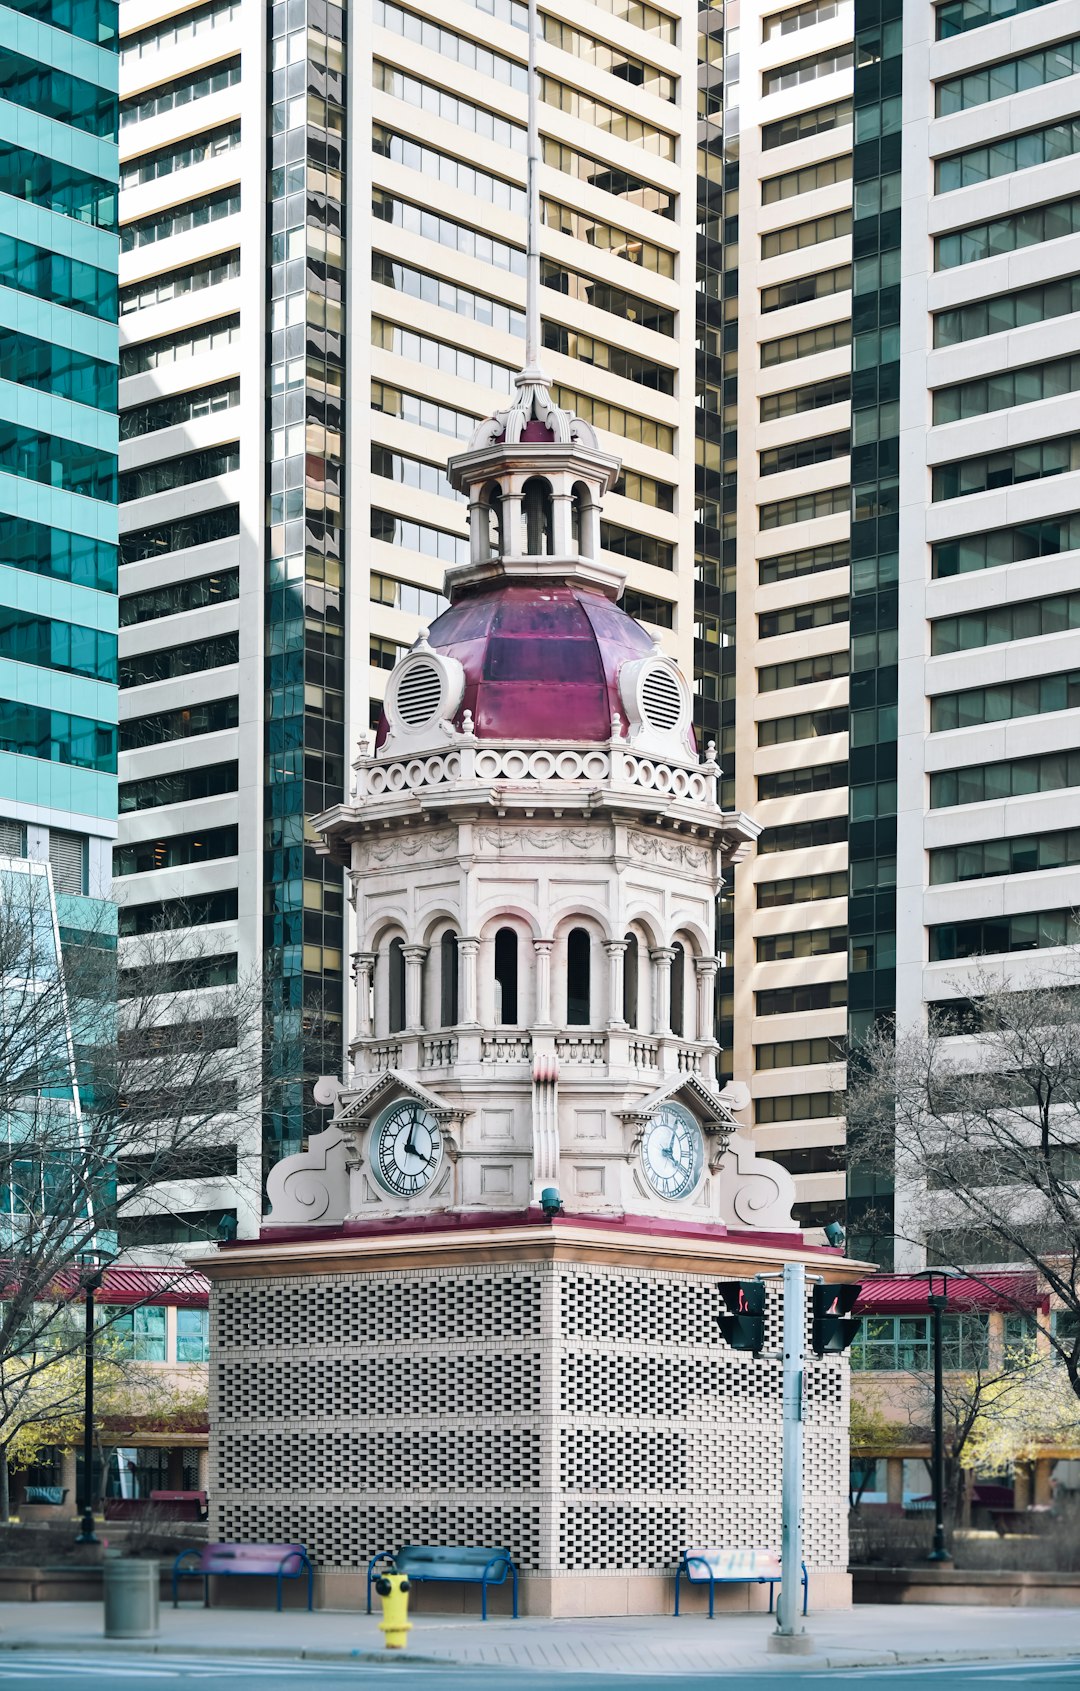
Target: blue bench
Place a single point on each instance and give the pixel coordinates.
(733, 1567)
(244, 1561)
(454, 1563)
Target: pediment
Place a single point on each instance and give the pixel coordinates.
(356, 1108)
(712, 1109)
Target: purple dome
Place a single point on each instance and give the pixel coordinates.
(541, 662)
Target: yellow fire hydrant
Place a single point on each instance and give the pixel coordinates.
(395, 1626)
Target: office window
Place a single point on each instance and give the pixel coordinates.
(181, 471)
(57, 461)
(834, 227)
(44, 550)
(989, 550)
(411, 472)
(1020, 229)
(189, 1227)
(794, 619)
(822, 449)
(805, 288)
(214, 652)
(425, 32)
(459, 237)
(1006, 469)
(800, 1000)
(610, 119)
(419, 537)
(185, 343)
(180, 155)
(176, 284)
(184, 26)
(405, 596)
(645, 490)
(56, 737)
(807, 344)
(811, 725)
(794, 18)
(631, 308)
(623, 184)
(176, 408)
(814, 778)
(190, 595)
(426, 413)
(800, 1053)
(800, 1106)
(197, 912)
(63, 281)
(1007, 311)
(1007, 154)
(193, 1335)
(801, 125)
(636, 73)
(145, 857)
(55, 186)
(1026, 619)
(49, 643)
(436, 290)
(616, 419)
(829, 502)
(646, 607)
(798, 71)
(175, 220)
(1021, 854)
(810, 942)
(89, 20)
(440, 355)
(1008, 76)
(586, 349)
(181, 786)
(605, 237)
(1005, 702)
(811, 560)
(1034, 930)
(802, 889)
(180, 535)
(426, 96)
(793, 402)
(791, 183)
(804, 836)
(138, 1332)
(1007, 388)
(441, 167)
(904, 1343)
(643, 548)
(169, 96)
(1014, 778)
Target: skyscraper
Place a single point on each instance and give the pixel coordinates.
(58, 448)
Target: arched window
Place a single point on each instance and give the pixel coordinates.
(537, 512)
(493, 501)
(678, 989)
(506, 978)
(448, 980)
(630, 982)
(397, 986)
(578, 984)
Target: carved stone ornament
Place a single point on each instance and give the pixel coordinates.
(544, 839)
(404, 847)
(754, 1191)
(679, 853)
(312, 1187)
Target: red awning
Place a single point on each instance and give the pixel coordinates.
(180, 1288)
(906, 1294)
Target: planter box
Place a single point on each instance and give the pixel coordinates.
(978, 1587)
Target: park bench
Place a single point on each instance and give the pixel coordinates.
(733, 1567)
(45, 1495)
(180, 1505)
(244, 1561)
(455, 1563)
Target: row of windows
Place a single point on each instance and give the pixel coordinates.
(794, 619)
(798, 1053)
(1000, 546)
(645, 490)
(54, 645)
(177, 219)
(90, 20)
(58, 553)
(804, 836)
(792, 402)
(803, 16)
(1009, 76)
(1005, 701)
(167, 96)
(1007, 311)
(426, 96)
(637, 73)
(1033, 930)
(622, 183)
(57, 462)
(59, 187)
(419, 537)
(181, 471)
(810, 942)
(184, 343)
(605, 237)
(440, 355)
(800, 1106)
(385, 654)
(796, 236)
(144, 857)
(191, 595)
(426, 413)
(799, 1000)
(811, 725)
(176, 408)
(183, 26)
(646, 607)
(60, 370)
(802, 289)
(176, 284)
(616, 418)
(166, 913)
(1025, 620)
(958, 16)
(792, 783)
(182, 724)
(405, 595)
(810, 560)
(459, 237)
(1007, 388)
(1012, 152)
(188, 974)
(1034, 462)
(411, 472)
(801, 125)
(441, 167)
(180, 786)
(1022, 855)
(586, 349)
(63, 281)
(792, 183)
(896, 1343)
(643, 548)
(1016, 778)
(436, 290)
(629, 308)
(1019, 229)
(802, 889)
(179, 535)
(610, 119)
(825, 338)
(426, 33)
(797, 71)
(55, 737)
(56, 94)
(141, 668)
(827, 502)
(180, 155)
(798, 454)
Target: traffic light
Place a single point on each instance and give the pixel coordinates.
(744, 1325)
(834, 1324)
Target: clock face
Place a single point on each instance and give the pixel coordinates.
(673, 1152)
(405, 1148)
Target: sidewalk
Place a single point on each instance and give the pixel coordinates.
(868, 1636)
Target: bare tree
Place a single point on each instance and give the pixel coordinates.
(977, 1118)
(120, 1072)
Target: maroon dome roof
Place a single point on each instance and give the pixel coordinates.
(541, 662)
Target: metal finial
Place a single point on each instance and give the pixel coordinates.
(532, 195)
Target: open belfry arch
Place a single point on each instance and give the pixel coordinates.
(422, 1347)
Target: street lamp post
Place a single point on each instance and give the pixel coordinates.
(93, 1273)
(938, 1302)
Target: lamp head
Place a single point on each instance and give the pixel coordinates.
(550, 1202)
(226, 1229)
(834, 1233)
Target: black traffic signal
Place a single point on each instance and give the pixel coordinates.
(834, 1324)
(744, 1325)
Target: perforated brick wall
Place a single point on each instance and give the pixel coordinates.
(591, 1418)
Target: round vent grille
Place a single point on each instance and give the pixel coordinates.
(661, 700)
(418, 694)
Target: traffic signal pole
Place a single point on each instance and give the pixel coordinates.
(791, 1637)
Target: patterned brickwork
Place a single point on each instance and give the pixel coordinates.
(591, 1418)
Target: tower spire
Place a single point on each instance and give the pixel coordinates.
(532, 197)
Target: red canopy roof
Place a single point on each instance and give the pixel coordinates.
(906, 1294)
(181, 1288)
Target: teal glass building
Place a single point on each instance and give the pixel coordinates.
(58, 446)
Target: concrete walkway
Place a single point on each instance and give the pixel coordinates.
(865, 1636)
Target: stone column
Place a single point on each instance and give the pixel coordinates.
(616, 951)
(662, 959)
(542, 948)
(894, 1482)
(414, 987)
(705, 968)
(363, 969)
(204, 1470)
(467, 950)
(562, 540)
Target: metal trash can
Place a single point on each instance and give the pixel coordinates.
(131, 1597)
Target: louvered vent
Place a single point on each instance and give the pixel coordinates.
(418, 694)
(661, 701)
(67, 854)
(12, 839)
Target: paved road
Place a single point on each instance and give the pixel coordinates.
(38, 1672)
